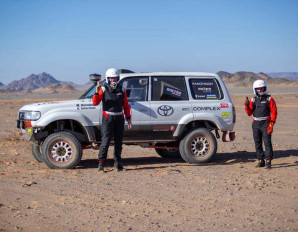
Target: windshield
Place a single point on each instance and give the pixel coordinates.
(91, 91)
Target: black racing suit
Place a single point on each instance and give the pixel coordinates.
(114, 101)
(264, 111)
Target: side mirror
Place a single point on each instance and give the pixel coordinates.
(95, 77)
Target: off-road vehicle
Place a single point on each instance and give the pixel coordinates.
(180, 114)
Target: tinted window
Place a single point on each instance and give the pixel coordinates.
(205, 89)
(169, 88)
(136, 88)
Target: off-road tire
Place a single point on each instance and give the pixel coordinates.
(198, 146)
(168, 153)
(61, 151)
(36, 153)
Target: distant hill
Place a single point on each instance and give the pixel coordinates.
(245, 79)
(46, 82)
(55, 88)
(31, 82)
(292, 76)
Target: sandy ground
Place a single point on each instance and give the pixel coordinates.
(154, 194)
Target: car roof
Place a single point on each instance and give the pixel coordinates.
(199, 74)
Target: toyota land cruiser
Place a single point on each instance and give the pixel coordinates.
(180, 114)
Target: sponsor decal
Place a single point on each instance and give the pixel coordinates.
(205, 90)
(172, 128)
(202, 83)
(85, 107)
(174, 91)
(213, 96)
(224, 105)
(206, 108)
(161, 128)
(199, 96)
(165, 110)
(186, 109)
(225, 114)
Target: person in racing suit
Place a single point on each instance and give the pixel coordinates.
(114, 101)
(264, 111)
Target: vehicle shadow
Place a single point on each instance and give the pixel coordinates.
(220, 159)
(139, 161)
(244, 156)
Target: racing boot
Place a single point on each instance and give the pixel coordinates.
(118, 166)
(261, 163)
(100, 167)
(268, 164)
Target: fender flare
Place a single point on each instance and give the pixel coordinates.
(51, 116)
(199, 117)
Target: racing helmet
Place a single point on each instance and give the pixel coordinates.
(259, 84)
(112, 72)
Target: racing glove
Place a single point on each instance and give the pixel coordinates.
(246, 102)
(270, 128)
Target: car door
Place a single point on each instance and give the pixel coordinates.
(137, 94)
(91, 112)
(169, 104)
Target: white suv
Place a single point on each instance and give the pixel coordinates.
(173, 112)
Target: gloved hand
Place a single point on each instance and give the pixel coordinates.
(98, 86)
(246, 102)
(270, 128)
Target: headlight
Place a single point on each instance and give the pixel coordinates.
(32, 115)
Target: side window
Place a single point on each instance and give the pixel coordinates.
(168, 88)
(136, 88)
(205, 89)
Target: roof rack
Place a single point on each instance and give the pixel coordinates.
(121, 71)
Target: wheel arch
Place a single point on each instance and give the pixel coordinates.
(71, 126)
(183, 129)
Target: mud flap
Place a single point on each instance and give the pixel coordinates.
(228, 136)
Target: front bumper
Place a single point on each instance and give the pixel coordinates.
(26, 132)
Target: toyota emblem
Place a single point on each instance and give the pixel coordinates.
(165, 110)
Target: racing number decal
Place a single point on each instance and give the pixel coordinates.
(29, 131)
(225, 114)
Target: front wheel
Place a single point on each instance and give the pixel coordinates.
(198, 146)
(62, 151)
(168, 153)
(36, 152)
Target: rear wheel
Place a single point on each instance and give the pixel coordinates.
(168, 153)
(36, 152)
(198, 146)
(61, 151)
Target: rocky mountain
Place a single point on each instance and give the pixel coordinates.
(292, 76)
(1, 84)
(55, 88)
(31, 82)
(244, 79)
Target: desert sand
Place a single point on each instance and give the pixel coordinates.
(154, 194)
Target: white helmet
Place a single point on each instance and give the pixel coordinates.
(111, 72)
(259, 84)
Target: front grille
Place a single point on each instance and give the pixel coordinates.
(21, 115)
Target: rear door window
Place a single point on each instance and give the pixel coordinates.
(136, 88)
(168, 88)
(205, 89)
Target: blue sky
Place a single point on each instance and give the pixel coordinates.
(71, 39)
